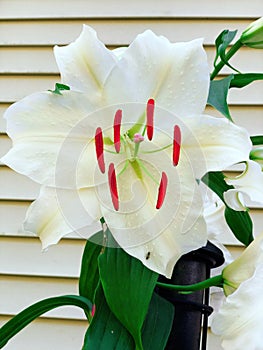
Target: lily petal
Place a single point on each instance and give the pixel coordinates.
(156, 237)
(53, 135)
(56, 213)
(240, 320)
(244, 266)
(85, 63)
(176, 75)
(249, 184)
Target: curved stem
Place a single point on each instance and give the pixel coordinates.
(229, 54)
(216, 281)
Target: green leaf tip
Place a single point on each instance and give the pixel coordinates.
(58, 88)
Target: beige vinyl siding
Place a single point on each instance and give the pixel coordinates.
(28, 31)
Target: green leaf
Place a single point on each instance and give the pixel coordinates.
(17, 323)
(218, 92)
(158, 324)
(241, 80)
(105, 331)
(59, 87)
(222, 42)
(240, 224)
(128, 286)
(89, 273)
(239, 221)
(257, 140)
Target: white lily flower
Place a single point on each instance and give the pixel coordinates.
(248, 185)
(126, 143)
(239, 320)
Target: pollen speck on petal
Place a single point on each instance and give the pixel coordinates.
(113, 186)
(176, 145)
(149, 118)
(162, 190)
(99, 149)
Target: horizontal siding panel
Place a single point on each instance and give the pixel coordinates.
(44, 334)
(15, 87)
(113, 32)
(16, 186)
(15, 60)
(114, 8)
(12, 215)
(18, 292)
(250, 117)
(23, 256)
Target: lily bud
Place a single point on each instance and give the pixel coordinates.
(257, 155)
(253, 35)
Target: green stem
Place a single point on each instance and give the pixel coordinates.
(216, 281)
(229, 54)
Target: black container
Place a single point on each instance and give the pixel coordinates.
(191, 310)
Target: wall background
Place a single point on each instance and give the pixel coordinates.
(28, 31)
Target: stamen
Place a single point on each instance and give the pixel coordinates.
(162, 190)
(99, 149)
(117, 130)
(113, 186)
(176, 145)
(149, 118)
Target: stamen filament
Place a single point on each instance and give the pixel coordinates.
(113, 186)
(117, 130)
(149, 118)
(99, 149)
(162, 190)
(176, 145)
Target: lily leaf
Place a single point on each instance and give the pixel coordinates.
(158, 324)
(218, 92)
(21, 320)
(128, 286)
(239, 222)
(89, 273)
(257, 140)
(105, 330)
(59, 87)
(241, 80)
(222, 42)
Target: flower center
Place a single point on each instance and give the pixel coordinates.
(129, 144)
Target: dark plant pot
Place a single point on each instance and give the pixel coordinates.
(191, 310)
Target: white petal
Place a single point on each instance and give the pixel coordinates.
(249, 183)
(215, 143)
(157, 237)
(53, 135)
(56, 213)
(244, 266)
(176, 75)
(235, 200)
(85, 63)
(240, 319)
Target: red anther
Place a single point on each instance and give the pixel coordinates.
(176, 145)
(162, 190)
(99, 149)
(117, 130)
(113, 186)
(149, 118)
